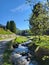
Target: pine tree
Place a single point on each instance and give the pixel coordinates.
(12, 26)
(8, 25)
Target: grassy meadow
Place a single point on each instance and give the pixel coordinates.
(21, 39)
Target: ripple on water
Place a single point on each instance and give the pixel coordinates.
(21, 49)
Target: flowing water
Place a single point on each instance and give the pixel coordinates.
(20, 55)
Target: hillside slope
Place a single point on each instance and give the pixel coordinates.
(4, 34)
(2, 31)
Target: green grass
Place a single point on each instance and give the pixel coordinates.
(0, 38)
(44, 41)
(2, 31)
(21, 39)
(4, 34)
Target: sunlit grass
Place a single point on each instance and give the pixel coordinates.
(21, 39)
(44, 41)
(2, 31)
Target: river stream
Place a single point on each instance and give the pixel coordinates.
(21, 55)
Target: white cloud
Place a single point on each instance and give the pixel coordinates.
(20, 8)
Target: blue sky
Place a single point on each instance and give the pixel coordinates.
(15, 10)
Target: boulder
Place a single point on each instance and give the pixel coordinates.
(41, 51)
(15, 45)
